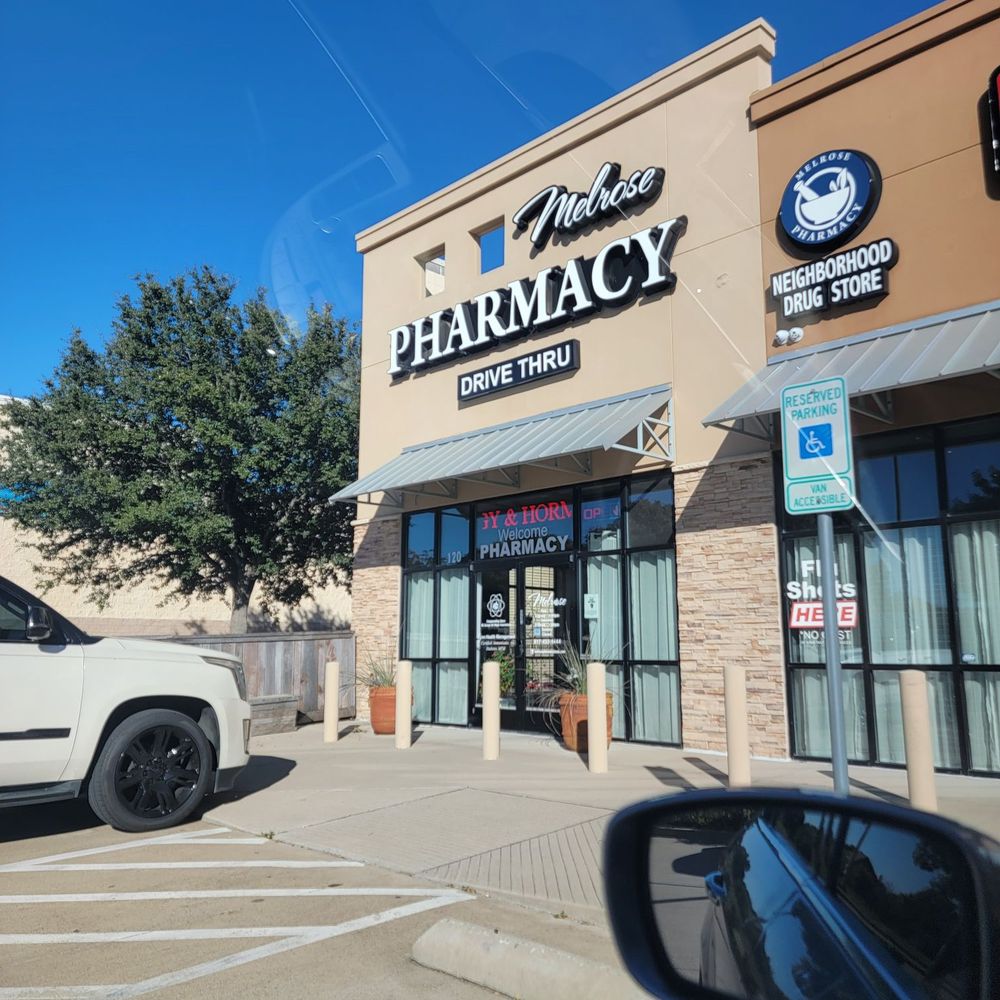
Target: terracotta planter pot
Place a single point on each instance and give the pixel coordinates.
(573, 715)
(382, 705)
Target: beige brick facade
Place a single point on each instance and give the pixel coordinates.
(729, 607)
(375, 593)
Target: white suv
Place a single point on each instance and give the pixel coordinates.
(144, 728)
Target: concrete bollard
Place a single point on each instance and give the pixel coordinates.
(331, 702)
(917, 739)
(491, 710)
(597, 718)
(404, 704)
(737, 728)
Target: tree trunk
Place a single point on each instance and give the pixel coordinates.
(241, 605)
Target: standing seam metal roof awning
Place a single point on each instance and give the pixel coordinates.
(949, 345)
(584, 428)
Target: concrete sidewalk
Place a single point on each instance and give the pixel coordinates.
(528, 826)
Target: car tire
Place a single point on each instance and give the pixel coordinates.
(152, 772)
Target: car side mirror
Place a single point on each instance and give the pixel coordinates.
(39, 626)
(798, 895)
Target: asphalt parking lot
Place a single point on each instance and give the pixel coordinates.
(203, 911)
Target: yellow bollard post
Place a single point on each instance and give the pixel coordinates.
(404, 704)
(491, 710)
(597, 718)
(331, 702)
(737, 728)
(917, 739)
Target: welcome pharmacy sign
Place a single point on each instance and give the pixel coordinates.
(818, 461)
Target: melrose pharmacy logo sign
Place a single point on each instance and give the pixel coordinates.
(830, 199)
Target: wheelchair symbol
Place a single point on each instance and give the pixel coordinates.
(816, 441)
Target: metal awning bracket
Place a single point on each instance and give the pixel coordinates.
(876, 406)
(654, 437)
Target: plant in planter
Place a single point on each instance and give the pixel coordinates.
(379, 674)
(573, 700)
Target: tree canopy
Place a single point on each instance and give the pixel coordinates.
(198, 448)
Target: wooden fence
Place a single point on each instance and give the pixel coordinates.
(290, 664)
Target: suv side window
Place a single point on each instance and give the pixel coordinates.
(13, 618)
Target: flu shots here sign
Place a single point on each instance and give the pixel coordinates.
(818, 461)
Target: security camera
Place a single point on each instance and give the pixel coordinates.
(780, 338)
(795, 334)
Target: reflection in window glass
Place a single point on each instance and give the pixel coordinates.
(912, 892)
(419, 615)
(907, 602)
(805, 596)
(651, 513)
(812, 713)
(654, 605)
(900, 487)
(600, 519)
(975, 548)
(420, 539)
(889, 718)
(982, 705)
(973, 471)
(454, 535)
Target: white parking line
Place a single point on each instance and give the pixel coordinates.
(287, 938)
(162, 865)
(152, 896)
(311, 935)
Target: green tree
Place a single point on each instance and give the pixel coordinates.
(199, 448)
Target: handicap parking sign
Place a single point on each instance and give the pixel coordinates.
(816, 441)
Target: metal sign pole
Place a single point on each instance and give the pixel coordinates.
(834, 683)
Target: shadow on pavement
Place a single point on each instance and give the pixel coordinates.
(669, 777)
(262, 772)
(713, 772)
(700, 864)
(880, 793)
(46, 820)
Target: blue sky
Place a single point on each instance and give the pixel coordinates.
(260, 135)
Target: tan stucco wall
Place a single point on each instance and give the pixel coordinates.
(140, 610)
(690, 119)
(909, 98)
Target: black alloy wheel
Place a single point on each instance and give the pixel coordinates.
(157, 772)
(152, 772)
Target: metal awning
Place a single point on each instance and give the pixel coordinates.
(949, 345)
(561, 439)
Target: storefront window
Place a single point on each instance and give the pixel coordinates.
(454, 535)
(889, 718)
(906, 597)
(600, 518)
(453, 616)
(922, 559)
(543, 570)
(804, 597)
(811, 708)
(420, 540)
(602, 608)
(651, 513)
(899, 487)
(419, 616)
(654, 605)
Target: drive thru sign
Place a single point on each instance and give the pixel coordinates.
(816, 442)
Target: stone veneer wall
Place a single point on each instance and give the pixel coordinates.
(375, 593)
(729, 607)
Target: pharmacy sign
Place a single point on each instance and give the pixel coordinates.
(818, 464)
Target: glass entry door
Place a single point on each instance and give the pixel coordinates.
(525, 616)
